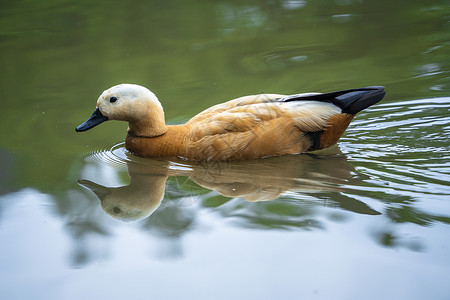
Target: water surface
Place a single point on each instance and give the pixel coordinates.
(367, 219)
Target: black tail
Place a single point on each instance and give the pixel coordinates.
(350, 101)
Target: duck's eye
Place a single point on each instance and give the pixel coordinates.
(113, 99)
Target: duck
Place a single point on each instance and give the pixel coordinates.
(248, 127)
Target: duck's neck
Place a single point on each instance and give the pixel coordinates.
(167, 144)
(150, 126)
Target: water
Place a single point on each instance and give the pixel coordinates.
(367, 219)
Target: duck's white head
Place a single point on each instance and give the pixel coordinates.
(132, 103)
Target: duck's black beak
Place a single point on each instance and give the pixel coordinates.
(96, 118)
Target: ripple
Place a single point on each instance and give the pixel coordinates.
(403, 148)
(293, 4)
(119, 157)
(116, 155)
(342, 18)
(429, 70)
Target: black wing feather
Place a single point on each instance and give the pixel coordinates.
(350, 101)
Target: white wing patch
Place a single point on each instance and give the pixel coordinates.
(311, 116)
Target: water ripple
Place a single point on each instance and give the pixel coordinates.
(116, 155)
(404, 149)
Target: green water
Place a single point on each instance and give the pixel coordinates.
(368, 219)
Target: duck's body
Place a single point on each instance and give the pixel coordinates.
(249, 127)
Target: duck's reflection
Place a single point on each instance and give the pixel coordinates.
(256, 180)
(135, 201)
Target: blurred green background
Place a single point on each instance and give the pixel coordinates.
(58, 56)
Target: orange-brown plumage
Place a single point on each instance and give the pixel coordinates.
(338, 123)
(249, 127)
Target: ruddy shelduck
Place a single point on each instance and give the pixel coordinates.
(248, 127)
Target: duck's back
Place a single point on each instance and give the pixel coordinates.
(270, 124)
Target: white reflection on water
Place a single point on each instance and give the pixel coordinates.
(216, 252)
(293, 4)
